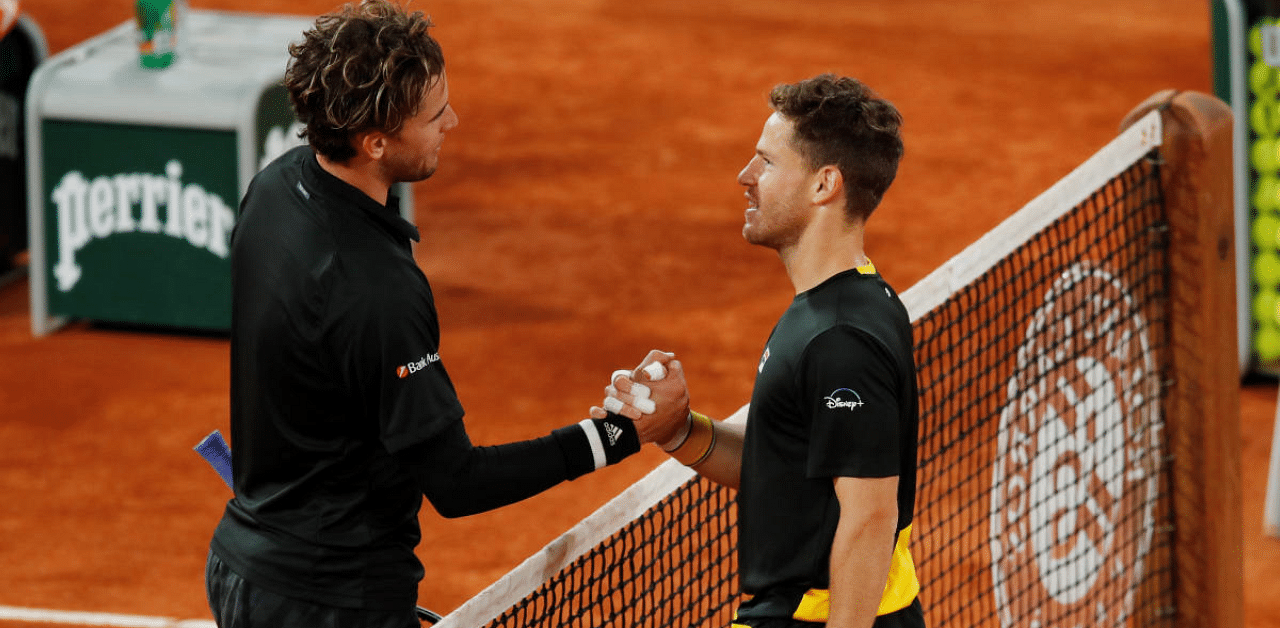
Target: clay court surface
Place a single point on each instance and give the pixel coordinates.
(585, 212)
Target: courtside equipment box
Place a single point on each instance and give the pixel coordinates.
(137, 173)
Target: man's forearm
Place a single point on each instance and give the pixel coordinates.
(862, 550)
(723, 464)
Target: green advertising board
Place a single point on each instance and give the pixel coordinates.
(138, 223)
(139, 172)
(275, 128)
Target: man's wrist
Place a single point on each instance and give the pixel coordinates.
(680, 436)
(593, 444)
(698, 443)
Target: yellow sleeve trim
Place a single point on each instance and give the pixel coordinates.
(900, 590)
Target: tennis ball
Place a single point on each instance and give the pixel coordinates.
(1266, 306)
(1266, 343)
(1264, 117)
(1266, 269)
(1263, 155)
(1255, 39)
(1266, 194)
(1266, 232)
(1262, 79)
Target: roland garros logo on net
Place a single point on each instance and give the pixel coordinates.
(413, 367)
(1076, 471)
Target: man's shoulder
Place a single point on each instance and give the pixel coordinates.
(283, 170)
(853, 310)
(863, 301)
(279, 187)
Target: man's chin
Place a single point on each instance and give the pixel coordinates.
(418, 176)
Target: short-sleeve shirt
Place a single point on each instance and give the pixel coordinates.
(835, 396)
(335, 365)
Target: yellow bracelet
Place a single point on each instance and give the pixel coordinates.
(697, 446)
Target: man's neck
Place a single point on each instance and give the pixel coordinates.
(822, 252)
(362, 174)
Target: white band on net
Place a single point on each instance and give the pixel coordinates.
(1121, 152)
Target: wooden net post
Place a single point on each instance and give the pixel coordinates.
(1202, 403)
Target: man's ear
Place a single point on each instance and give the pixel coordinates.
(372, 144)
(828, 185)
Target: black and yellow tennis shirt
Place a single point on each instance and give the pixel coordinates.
(835, 396)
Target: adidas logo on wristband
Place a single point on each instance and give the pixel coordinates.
(613, 432)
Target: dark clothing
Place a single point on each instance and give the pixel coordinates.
(342, 413)
(835, 396)
(909, 617)
(238, 604)
(329, 311)
(19, 57)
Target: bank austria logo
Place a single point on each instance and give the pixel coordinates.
(844, 398)
(110, 205)
(1076, 472)
(413, 367)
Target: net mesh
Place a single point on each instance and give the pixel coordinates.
(1043, 487)
(676, 565)
(1041, 455)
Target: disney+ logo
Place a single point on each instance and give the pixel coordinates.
(844, 398)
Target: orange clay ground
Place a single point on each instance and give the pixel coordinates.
(585, 212)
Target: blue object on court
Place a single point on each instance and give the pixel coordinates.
(214, 449)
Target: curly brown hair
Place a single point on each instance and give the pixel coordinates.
(840, 121)
(365, 67)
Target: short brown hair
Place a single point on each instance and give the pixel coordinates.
(840, 121)
(365, 67)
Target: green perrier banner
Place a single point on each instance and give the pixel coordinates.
(137, 223)
(138, 219)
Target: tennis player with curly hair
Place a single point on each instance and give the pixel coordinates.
(342, 413)
(825, 466)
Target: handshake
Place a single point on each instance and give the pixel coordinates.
(654, 396)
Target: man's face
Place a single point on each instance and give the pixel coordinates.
(777, 180)
(413, 153)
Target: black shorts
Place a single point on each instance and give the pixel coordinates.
(238, 604)
(909, 617)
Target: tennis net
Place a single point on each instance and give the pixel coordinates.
(1045, 360)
